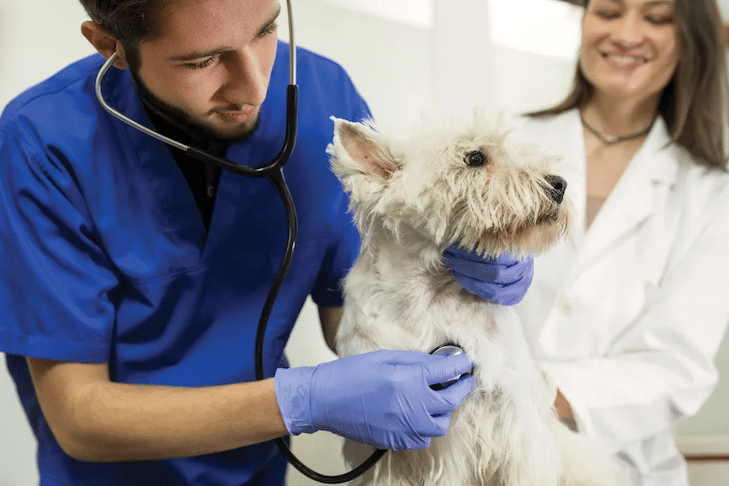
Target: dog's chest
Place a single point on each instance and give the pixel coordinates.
(400, 306)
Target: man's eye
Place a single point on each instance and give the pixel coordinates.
(204, 63)
(268, 30)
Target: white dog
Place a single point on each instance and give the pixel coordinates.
(411, 199)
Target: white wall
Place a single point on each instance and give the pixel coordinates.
(37, 39)
(405, 56)
(389, 60)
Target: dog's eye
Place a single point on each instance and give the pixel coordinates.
(475, 159)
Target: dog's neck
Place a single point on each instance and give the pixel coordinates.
(404, 261)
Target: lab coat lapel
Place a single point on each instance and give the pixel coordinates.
(632, 201)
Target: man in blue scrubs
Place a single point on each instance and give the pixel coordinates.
(132, 276)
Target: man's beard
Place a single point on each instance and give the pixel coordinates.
(178, 118)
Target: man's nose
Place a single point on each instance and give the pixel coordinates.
(248, 81)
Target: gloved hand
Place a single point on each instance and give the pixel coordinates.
(504, 280)
(382, 398)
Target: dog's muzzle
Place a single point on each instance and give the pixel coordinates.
(557, 186)
(446, 350)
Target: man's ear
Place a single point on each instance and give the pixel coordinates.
(104, 42)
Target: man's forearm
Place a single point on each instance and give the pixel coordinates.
(96, 420)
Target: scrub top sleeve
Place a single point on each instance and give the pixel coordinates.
(662, 368)
(339, 258)
(355, 107)
(327, 290)
(54, 278)
(362, 111)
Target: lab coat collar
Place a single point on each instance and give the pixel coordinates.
(653, 169)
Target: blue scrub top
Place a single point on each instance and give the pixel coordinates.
(105, 257)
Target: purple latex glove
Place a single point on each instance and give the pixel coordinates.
(382, 398)
(504, 280)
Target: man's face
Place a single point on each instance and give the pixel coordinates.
(208, 70)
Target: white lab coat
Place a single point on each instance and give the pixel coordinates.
(626, 318)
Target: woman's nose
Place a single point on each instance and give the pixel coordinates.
(629, 31)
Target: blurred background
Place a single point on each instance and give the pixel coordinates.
(406, 57)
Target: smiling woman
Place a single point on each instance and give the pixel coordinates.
(629, 49)
(627, 317)
(620, 37)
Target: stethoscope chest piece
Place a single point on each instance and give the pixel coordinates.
(446, 350)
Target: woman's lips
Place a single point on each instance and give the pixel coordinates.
(624, 59)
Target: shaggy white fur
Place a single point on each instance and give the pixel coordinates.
(411, 198)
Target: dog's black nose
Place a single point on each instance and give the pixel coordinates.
(558, 186)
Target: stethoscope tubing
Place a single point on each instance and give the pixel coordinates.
(273, 171)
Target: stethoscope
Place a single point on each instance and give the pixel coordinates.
(273, 171)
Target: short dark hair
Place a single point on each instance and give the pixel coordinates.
(129, 21)
(693, 103)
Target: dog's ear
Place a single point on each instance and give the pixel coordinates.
(364, 146)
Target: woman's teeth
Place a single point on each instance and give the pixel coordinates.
(626, 59)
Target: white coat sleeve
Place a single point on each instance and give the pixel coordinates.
(661, 367)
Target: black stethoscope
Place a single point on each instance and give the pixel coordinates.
(273, 171)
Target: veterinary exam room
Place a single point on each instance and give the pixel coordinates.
(498, 256)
